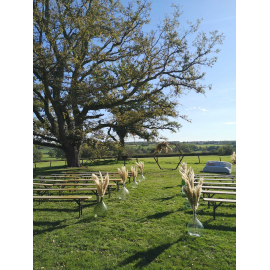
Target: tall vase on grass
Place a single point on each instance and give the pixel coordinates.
(123, 192)
(140, 166)
(134, 174)
(195, 227)
(101, 209)
(193, 193)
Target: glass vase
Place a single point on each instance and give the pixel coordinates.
(187, 204)
(123, 193)
(183, 184)
(100, 209)
(195, 227)
(141, 178)
(134, 183)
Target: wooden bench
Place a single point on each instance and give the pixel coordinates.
(63, 182)
(62, 186)
(55, 177)
(78, 199)
(42, 191)
(215, 206)
(89, 174)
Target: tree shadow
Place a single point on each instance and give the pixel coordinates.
(146, 257)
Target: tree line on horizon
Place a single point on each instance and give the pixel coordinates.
(102, 151)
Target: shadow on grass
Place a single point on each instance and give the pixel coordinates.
(56, 209)
(218, 214)
(159, 215)
(53, 225)
(218, 227)
(47, 223)
(172, 187)
(37, 232)
(146, 257)
(165, 199)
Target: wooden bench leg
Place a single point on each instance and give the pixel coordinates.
(214, 209)
(80, 203)
(109, 190)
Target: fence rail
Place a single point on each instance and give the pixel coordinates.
(134, 156)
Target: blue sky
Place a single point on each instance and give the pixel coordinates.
(213, 115)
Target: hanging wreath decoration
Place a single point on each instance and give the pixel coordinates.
(164, 146)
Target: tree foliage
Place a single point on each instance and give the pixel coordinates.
(92, 59)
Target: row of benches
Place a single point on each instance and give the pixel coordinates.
(63, 184)
(219, 189)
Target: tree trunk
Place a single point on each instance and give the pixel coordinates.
(72, 156)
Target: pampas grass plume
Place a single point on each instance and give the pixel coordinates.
(101, 184)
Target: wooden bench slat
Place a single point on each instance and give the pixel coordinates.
(218, 187)
(71, 180)
(210, 179)
(63, 189)
(63, 197)
(219, 200)
(42, 184)
(219, 192)
(67, 181)
(217, 184)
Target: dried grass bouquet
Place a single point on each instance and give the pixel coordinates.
(140, 166)
(192, 192)
(101, 184)
(134, 172)
(233, 158)
(123, 174)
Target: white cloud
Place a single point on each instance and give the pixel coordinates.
(203, 109)
(230, 123)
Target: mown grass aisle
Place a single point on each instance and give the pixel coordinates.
(146, 231)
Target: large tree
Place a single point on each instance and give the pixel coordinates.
(91, 56)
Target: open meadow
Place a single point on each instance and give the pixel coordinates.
(147, 231)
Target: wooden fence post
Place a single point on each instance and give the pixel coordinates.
(199, 159)
(50, 163)
(35, 165)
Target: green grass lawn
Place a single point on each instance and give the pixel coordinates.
(148, 231)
